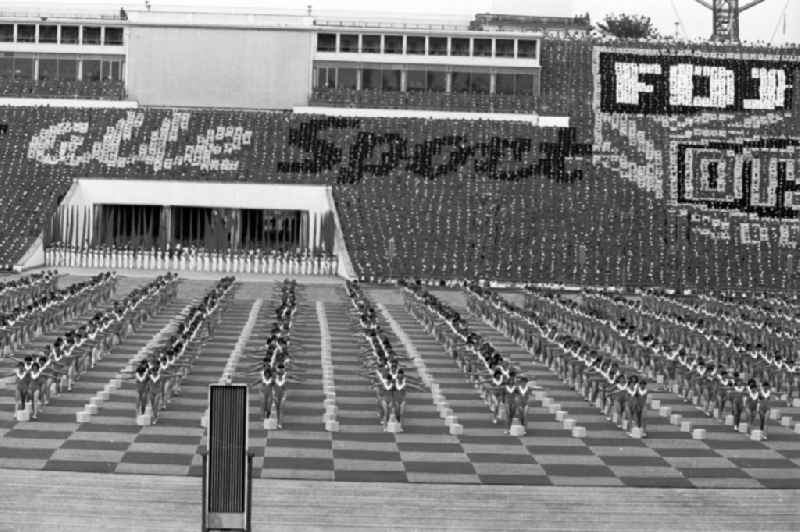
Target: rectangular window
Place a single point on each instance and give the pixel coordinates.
(437, 81)
(68, 69)
(347, 78)
(371, 44)
(525, 84)
(526, 49)
(504, 48)
(459, 47)
(26, 33)
(326, 78)
(69, 34)
(371, 79)
(330, 77)
(23, 68)
(6, 33)
(112, 71)
(437, 45)
(416, 80)
(6, 67)
(482, 48)
(91, 70)
(348, 43)
(504, 84)
(393, 44)
(48, 69)
(415, 45)
(479, 83)
(48, 34)
(91, 35)
(113, 37)
(460, 82)
(326, 42)
(391, 80)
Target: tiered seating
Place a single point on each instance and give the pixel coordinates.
(84, 90)
(501, 200)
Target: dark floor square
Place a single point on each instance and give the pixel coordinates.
(370, 476)
(508, 458)
(382, 456)
(500, 439)
(712, 472)
(162, 438)
(688, 453)
(642, 461)
(571, 450)
(763, 463)
(298, 444)
(741, 444)
(325, 464)
(510, 480)
(577, 470)
(97, 427)
(38, 434)
(450, 468)
(661, 482)
(780, 483)
(80, 467)
(622, 441)
(378, 437)
(96, 445)
(157, 458)
(413, 447)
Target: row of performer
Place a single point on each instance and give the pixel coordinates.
(228, 261)
(37, 377)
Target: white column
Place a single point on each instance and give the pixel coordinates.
(317, 230)
(312, 227)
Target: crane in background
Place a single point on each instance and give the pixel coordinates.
(726, 17)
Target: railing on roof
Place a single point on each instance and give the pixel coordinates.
(390, 25)
(48, 14)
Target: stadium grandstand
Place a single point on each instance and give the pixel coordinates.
(499, 250)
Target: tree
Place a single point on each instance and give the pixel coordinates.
(629, 26)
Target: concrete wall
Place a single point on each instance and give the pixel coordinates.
(219, 67)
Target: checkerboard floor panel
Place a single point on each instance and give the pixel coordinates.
(361, 451)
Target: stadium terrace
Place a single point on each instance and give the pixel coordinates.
(265, 249)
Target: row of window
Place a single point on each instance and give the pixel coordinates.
(427, 45)
(61, 34)
(423, 80)
(67, 68)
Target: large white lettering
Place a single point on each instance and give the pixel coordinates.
(629, 83)
(771, 89)
(63, 143)
(722, 86)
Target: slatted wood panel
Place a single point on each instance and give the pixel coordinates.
(37, 500)
(227, 449)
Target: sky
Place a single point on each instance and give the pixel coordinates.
(762, 23)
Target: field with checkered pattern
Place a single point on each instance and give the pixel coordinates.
(112, 442)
